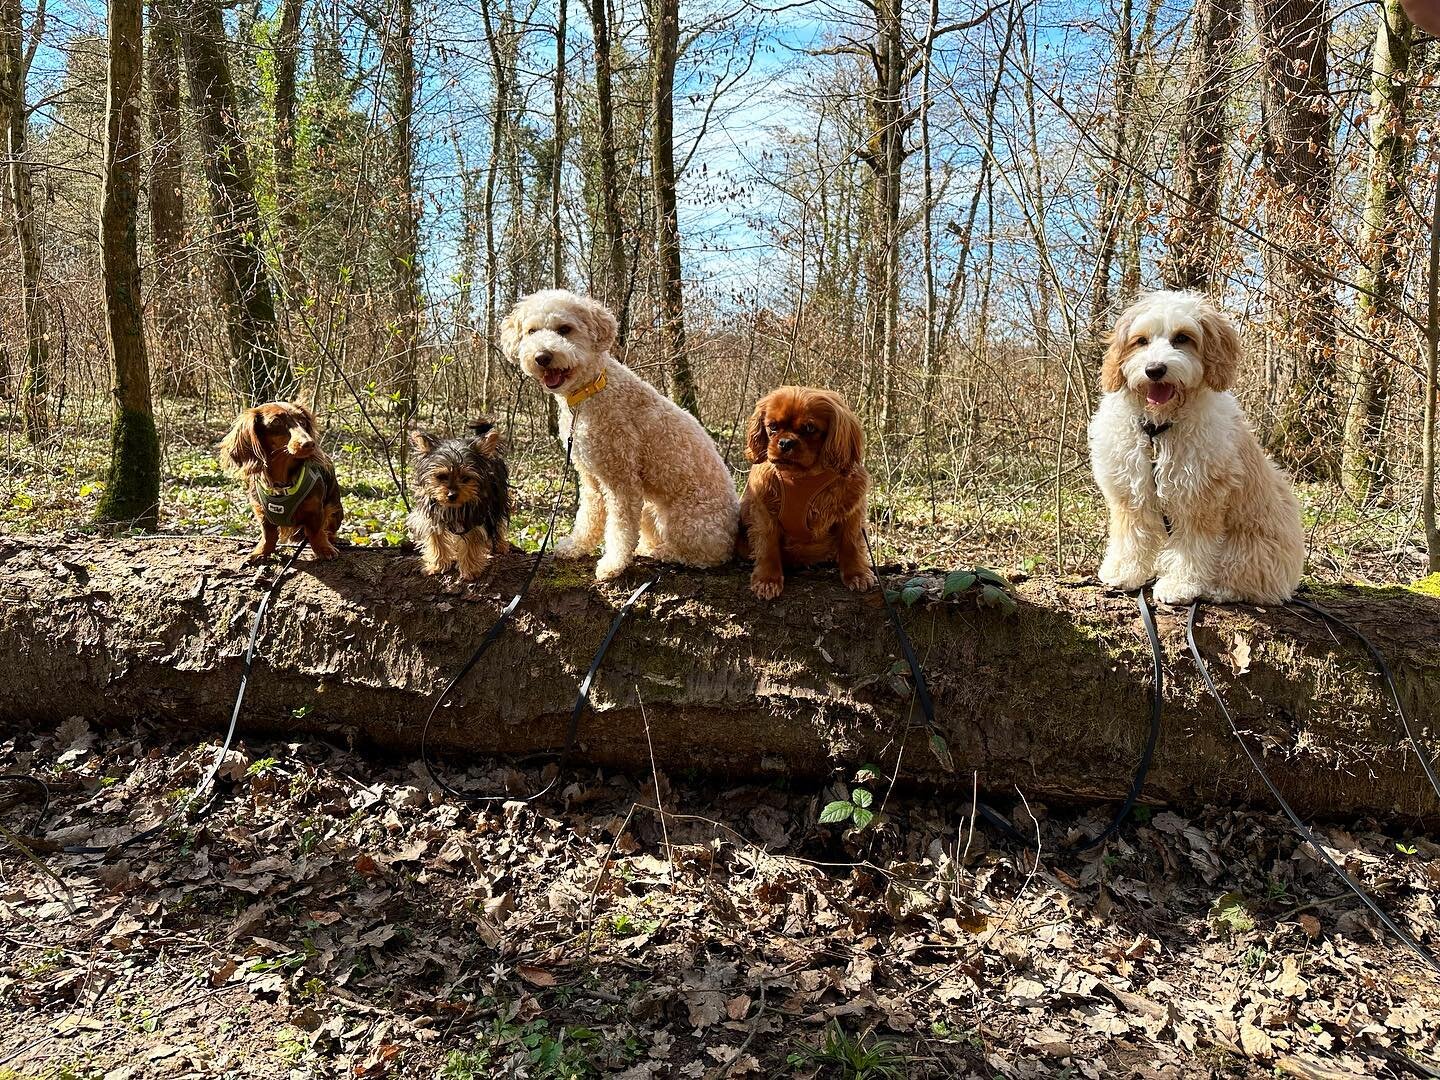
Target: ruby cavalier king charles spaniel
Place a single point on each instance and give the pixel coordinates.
(804, 502)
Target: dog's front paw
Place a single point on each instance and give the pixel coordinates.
(861, 580)
(766, 584)
(325, 551)
(566, 548)
(259, 555)
(1175, 591)
(1122, 575)
(608, 568)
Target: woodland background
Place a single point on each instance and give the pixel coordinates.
(937, 210)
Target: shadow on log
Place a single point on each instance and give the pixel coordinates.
(1052, 699)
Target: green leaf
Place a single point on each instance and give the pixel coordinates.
(911, 593)
(891, 596)
(957, 581)
(839, 810)
(941, 749)
(867, 774)
(993, 597)
(1229, 911)
(994, 577)
(863, 817)
(861, 798)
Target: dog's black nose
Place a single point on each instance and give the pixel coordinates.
(1156, 371)
(544, 358)
(786, 445)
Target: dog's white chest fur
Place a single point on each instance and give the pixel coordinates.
(1172, 467)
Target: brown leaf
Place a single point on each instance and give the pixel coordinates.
(535, 976)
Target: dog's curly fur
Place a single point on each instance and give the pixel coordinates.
(804, 502)
(1234, 529)
(462, 500)
(651, 479)
(271, 441)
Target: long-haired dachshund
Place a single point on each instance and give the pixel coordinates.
(804, 502)
(290, 481)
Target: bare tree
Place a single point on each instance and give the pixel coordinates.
(16, 55)
(132, 489)
(285, 101)
(262, 367)
(1192, 248)
(1377, 285)
(405, 253)
(612, 237)
(176, 367)
(1299, 167)
(664, 49)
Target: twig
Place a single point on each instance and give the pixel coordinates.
(604, 866)
(655, 776)
(725, 1069)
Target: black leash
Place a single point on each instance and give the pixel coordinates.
(582, 697)
(1389, 679)
(208, 806)
(991, 816)
(1304, 833)
(1157, 701)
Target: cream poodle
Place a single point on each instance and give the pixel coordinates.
(1192, 496)
(651, 480)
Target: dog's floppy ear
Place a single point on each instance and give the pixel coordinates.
(757, 441)
(422, 441)
(600, 322)
(845, 441)
(510, 330)
(242, 450)
(1112, 377)
(1222, 349)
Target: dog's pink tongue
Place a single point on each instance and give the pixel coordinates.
(1158, 393)
(553, 379)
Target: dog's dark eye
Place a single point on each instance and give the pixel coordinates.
(1140, 341)
(808, 429)
(564, 329)
(1181, 339)
(772, 428)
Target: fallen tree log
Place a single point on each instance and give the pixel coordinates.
(1051, 698)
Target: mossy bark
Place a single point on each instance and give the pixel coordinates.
(1052, 700)
(132, 491)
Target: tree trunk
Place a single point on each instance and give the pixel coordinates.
(287, 57)
(664, 45)
(501, 53)
(405, 255)
(1377, 280)
(132, 488)
(262, 368)
(14, 110)
(1053, 699)
(613, 290)
(177, 367)
(1296, 146)
(557, 163)
(1112, 196)
(1192, 242)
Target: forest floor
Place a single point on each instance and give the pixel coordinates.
(334, 915)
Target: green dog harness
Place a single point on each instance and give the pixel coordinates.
(280, 504)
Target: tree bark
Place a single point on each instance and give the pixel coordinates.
(664, 46)
(132, 488)
(405, 254)
(14, 111)
(557, 150)
(1052, 699)
(176, 367)
(613, 290)
(1299, 166)
(287, 59)
(262, 367)
(1364, 468)
(1192, 242)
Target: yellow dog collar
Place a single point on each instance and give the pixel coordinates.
(586, 392)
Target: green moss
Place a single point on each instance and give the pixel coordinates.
(132, 485)
(1427, 586)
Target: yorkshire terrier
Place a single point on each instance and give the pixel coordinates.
(462, 505)
(290, 481)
